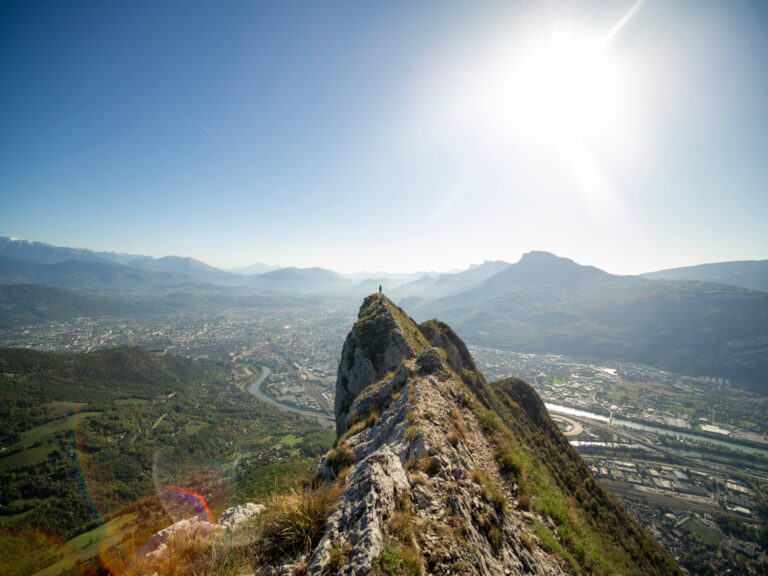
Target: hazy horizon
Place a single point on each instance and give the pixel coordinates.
(630, 136)
(370, 272)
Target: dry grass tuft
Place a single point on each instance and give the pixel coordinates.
(340, 457)
(293, 523)
(459, 424)
(195, 551)
(489, 490)
(527, 541)
(339, 555)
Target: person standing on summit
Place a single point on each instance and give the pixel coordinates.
(379, 288)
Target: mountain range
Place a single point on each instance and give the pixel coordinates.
(752, 274)
(541, 304)
(548, 304)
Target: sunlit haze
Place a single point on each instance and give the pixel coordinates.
(394, 137)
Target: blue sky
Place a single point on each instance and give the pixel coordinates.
(388, 136)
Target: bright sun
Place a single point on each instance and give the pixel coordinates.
(563, 89)
(568, 85)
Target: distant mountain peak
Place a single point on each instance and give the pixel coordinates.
(541, 256)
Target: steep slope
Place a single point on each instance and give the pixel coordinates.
(434, 471)
(546, 304)
(445, 474)
(751, 274)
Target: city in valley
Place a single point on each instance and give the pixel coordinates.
(687, 456)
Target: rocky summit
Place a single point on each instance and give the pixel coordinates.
(435, 471)
(446, 474)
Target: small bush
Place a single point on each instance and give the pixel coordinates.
(357, 427)
(489, 490)
(459, 424)
(358, 423)
(495, 537)
(413, 432)
(420, 463)
(339, 555)
(399, 560)
(340, 457)
(490, 420)
(401, 526)
(527, 541)
(419, 479)
(293, 523)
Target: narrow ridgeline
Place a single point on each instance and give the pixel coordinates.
(443, 473)
(434, 471)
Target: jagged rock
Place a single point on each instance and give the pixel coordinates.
(420, 435)
(427, 456)
(401, 374)
(236, 515)
(375, 483)
(158, 542)
(378, 344)
(430, 362)
(228, 522)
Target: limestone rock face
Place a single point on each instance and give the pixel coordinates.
(228, 522)
(231, 518)
(437, 472)
(381, 339)
(398, 398)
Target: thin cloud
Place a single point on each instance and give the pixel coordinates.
(201, 126)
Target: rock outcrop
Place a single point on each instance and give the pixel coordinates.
(434, 471)
(429, 488)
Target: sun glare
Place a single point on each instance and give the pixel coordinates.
(568, 85)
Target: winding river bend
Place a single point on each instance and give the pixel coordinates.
(255, 389)
(575, 412)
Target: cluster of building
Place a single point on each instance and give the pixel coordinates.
(618, 415)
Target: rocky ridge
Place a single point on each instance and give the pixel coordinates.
(434, 471)
(425, 489)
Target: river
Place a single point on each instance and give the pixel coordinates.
(557, 409)
(255, 389)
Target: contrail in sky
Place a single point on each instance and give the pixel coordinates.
(201, 126)
(621, 23)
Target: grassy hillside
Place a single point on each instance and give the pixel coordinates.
(590, 530)
(90, 437)
(24, 304)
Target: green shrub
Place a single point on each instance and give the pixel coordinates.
(413, 432)
(399, 560)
